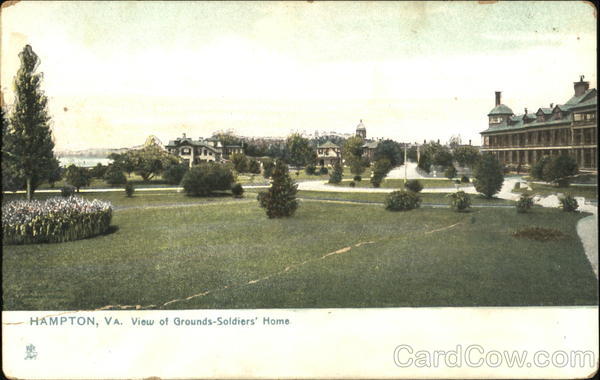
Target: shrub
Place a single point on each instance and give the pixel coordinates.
(98, 171)
(464, 179)
(67, 191)
(357, 178)
(173, 174)
(450, 172)
(537, 170)
(310, 169)
(114, 176)
(525, 203)
(414, 185)
(517, 186)
(323, 170)
(237, 190)
(352, 184)
(488, 175)
(205, 178)
(78, 176)
(460, 201)
(559, 169)
(54, 220)
(336, 175)
(240, 162)
(280, 200)
(568, 203)
(402, 201)
(129, 189)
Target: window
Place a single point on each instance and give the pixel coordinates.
(185, 151)
(496, 119)
(577, 116)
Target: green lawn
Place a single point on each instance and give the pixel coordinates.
(589, 192)
(425, 257)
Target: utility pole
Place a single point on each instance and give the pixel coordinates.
(405, 166)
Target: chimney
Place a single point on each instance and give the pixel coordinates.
(551, 105)
(498, 98)
(581, 87)
(525, 110)
(184, 135)
(469, 141)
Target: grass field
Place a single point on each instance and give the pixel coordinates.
(327, 255)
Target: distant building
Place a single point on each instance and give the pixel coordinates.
(202, 150)
(328, 153)
(361, 131)
(569, 128)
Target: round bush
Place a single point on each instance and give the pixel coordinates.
(173, 174)
(402, 201)
(568, 203)
(460, 201)
(414, 185)
(517, 186)
(114, 176)
(352, 184)
(204, 179)
(129, 189)
(323, 170)
(524, 203)
(237, 190)
(357, 178)
(54, 220)
(464, 179)
(67, 191)
(310, 169)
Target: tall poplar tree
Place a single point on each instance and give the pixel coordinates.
(31, 153)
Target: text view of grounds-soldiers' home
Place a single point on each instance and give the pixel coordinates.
(260, 155)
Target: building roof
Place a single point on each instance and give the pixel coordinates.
(328, 144)
(370, 144)
(587, 100)
(500, 109)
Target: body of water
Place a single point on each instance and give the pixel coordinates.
(83, 161)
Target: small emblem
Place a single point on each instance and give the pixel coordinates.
(30, 352)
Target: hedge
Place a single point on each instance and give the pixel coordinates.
(54, 220)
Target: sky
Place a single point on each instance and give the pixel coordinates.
(117, 72)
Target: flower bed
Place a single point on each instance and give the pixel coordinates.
(54, 220)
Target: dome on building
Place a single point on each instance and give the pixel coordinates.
(361, 126)
(500, 109)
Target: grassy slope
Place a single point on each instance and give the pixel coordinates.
(159, 254)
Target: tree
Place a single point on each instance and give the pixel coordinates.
(240, 162)
(454, 141)
(227, 137)
(174, 173)
(558, 170)
(390, 150)
(30, 147)
(380, 170)
(442, 157)
(466, 155)
(78, 176)
(537, 170)
(424, 162)
(280, 200)
(114, 175)
(253, 166)
(150, 161)
(337, 173)
(412, 153)
(298, 151)
(206, 178)
(352, 153)
(98, 171)
(268, 167)
(55, 174)
(488, 175)
(123, 161)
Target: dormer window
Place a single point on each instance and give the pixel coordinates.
(185, 151)
(496, 119)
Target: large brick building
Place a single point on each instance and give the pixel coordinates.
(569, 128)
